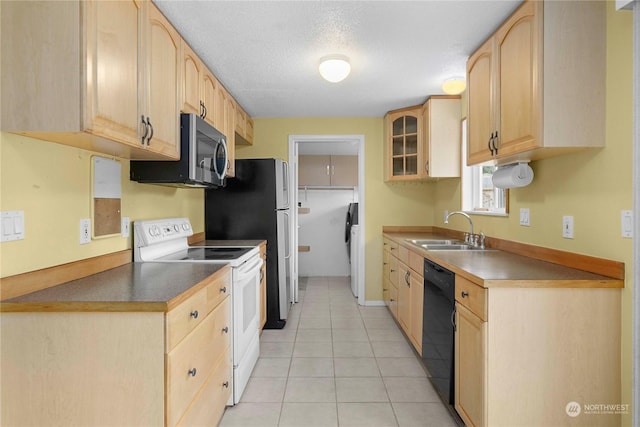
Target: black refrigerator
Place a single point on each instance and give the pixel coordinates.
(255, 205)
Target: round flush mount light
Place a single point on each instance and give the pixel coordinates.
(454, 86)
(334, 68)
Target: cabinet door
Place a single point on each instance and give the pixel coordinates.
(192, 69)
(344, 170)
(470, 367)
(403, 144)
(441, 137)
(517, 81)
(417, 301)
(480, 116)
(314, 170)
(209, 94)
(230, 131)
(113, 42)
(404, 297)
(163, 81)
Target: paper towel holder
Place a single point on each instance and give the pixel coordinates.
(513, 175)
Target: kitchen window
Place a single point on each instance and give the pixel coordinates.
(479, 196)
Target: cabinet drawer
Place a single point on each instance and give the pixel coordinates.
(393, 300)
(390, 245)
(416, 263)
(393, 270)
(472, 296)
(199, 350)
(189, 314)
(209, 406)
(403, 254)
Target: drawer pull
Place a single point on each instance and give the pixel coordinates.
(225, 329)
(223, 290)
(193, 372)
(225, 384)
(392, 270)
(194, 314)
(465, 294)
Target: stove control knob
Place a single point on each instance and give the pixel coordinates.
(185, 226)
(154, 231)
(176, 228)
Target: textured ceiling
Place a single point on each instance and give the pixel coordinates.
(266, 53)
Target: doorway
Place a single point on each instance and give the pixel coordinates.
(328, 145)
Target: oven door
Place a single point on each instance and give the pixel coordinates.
(246, 322)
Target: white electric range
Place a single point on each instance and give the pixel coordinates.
(166, 240)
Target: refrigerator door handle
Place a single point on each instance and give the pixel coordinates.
(287, 252)
(285, 184)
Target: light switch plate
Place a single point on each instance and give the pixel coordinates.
(11, 226)
(567, 227)
(626, 223)
(124, 227)
(524, 217)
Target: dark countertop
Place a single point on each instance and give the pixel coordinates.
(144, 286)
(496, 268)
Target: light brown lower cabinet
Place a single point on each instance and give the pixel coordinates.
(403, 289)
(524, 355)
(145, 368)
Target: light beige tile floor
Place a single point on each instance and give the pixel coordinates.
(337, 364)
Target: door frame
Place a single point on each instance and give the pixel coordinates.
(293, 180)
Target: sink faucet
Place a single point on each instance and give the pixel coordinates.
(446, 221)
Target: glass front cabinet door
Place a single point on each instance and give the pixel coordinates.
(403, 148)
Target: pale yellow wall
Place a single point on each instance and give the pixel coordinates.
(385, 203)
(52, 184)
(593, 186)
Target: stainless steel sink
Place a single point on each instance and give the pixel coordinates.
(451, 247)
(423, 242)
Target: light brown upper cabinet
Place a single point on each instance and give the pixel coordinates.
(109, 83)
(326, 170)
(244, 127)
(441, 137)
(423, 141)
(199, 87)
(230, 131)
(536, 88)
(403, 135)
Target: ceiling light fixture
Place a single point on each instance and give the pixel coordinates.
(454, 86)
(334, 68)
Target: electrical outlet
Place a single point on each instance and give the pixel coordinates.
(85, 231)
(124, 227)
(567, 227)
(524, 217)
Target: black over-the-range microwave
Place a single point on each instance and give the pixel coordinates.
(203, 158)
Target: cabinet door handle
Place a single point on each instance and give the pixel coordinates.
(223, 290)
(146, 129)
(453, 319)
(392, 270)
(426, 166)
(225, 329)
(490, 143)
(225, 384)
(261, 275)
(406, 278)
(194, 314)
(151, 126)
(464, 294)
(496, 143)
(193, 372)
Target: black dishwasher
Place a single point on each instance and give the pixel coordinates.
(438, 327)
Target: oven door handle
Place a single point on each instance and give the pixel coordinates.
(249, 268)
